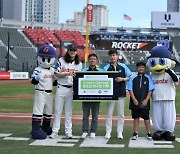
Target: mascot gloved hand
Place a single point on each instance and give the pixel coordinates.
(160, 64)
(42, 78)
(38, 77)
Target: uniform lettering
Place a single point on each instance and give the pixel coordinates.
(47, 76)
(67, 70)
(163, 81)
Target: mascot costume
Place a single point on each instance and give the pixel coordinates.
(163, 109)
(42, 78)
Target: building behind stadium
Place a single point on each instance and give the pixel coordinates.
(46, 11)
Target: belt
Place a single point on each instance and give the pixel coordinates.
(67, 86)
(47, 91)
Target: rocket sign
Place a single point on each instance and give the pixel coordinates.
(89, 12)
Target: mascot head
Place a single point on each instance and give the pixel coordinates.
(46, 56)
(160, 58)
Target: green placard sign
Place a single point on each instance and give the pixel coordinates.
(95, 86)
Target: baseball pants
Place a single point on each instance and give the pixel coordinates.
(43, 103)
(109, 113)
(64, 98)
(164, 115)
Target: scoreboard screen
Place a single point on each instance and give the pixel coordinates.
(124, 42)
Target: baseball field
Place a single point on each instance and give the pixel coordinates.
(16, 101)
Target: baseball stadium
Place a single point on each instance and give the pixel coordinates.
(19, 45)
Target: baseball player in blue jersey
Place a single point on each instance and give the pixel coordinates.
(123, 75)
(65, 69)
(42, 78)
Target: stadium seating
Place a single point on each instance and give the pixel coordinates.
(26, 59)
(20, 47)
(103, 56)
(3, 52)
(41, 36)
(66, 35)
(26, 54)
(3, 59)
(79, 39)
(15, 38)
(81, 53)
(176, 40)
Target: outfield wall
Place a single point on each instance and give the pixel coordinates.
(14, 75)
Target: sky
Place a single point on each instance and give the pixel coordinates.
(138, 10)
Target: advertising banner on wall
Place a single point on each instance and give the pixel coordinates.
(165, 19)
(14, 75)
(133, 43)
(95, 86)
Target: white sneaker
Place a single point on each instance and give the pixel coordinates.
(108, 135)
(53, 135)
(119, 135)
(92, 135)
(84, 135)
(69, 135)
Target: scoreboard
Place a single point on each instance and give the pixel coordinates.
(130, 41)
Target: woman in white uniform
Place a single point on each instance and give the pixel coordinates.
(64, 71)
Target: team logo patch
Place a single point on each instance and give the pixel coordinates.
(46, 49)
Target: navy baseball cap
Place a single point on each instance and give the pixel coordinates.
(46, 51)
(161, 52)
(72, 47)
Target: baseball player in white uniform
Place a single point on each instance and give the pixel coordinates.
(163, 109)
(42, 78)
(64, 71)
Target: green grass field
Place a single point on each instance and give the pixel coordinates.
(22, 129)
(25, 105)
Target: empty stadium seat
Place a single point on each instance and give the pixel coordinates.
(66, 35)
(41, 36)
(15, 38)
